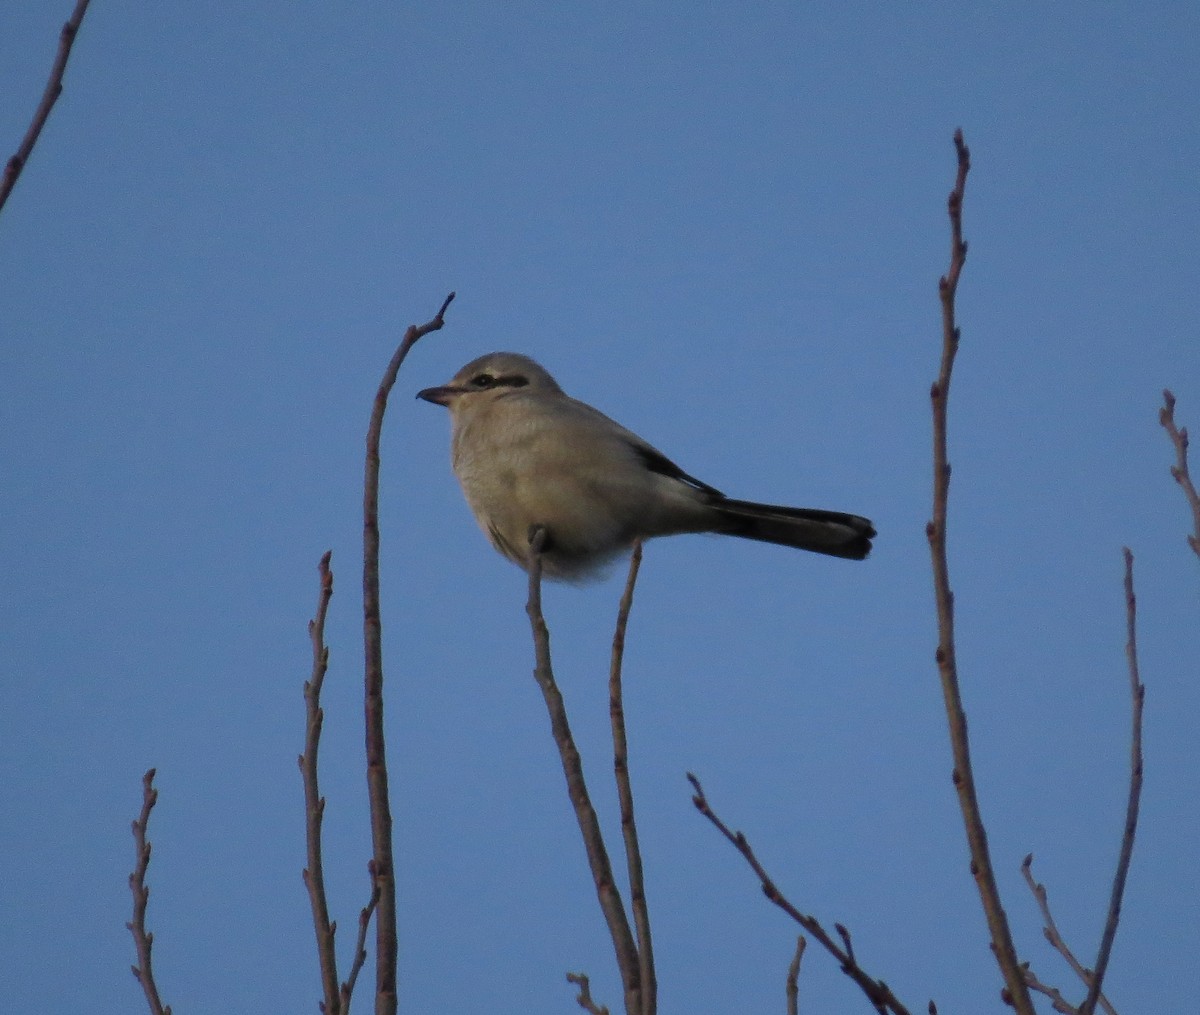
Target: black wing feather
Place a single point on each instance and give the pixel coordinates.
(656, 461)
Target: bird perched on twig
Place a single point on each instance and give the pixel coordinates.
(528, 455)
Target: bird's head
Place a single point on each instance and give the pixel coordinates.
(488, 378)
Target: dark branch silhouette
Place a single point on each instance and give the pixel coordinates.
(792, 984)
(1138, 695)
(1093, 979)
(143, 940)
(1016, 990)
(1055, 938)
(1179, 437)
(360, 944)
(878, 993)
(386, 949)
(633, 853)
(54, 87)
(314, 803)
(337, 997)
(607, 892)
(584, 997)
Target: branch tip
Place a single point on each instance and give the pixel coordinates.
(50, 95)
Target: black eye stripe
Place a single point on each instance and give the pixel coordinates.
(486, 380)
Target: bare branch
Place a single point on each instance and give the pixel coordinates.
(143, 940)
(633, 854)
(793, 977)
(1138, 694)
(878, 993)
(964, 779)
(607, 892)
(1057, 1001)
(1050, 930)
(360, 945)
(584, 997)
(1093, 980)
(386, 949)
(1179, 437)
(314, 803)
(54, 87)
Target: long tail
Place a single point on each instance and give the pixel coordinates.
(828, 532)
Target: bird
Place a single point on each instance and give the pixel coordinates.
(529, 457)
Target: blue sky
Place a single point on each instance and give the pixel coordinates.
(723, 225)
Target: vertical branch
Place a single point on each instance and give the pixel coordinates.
(633, 853)
(54, 87)
(1017, 993)
(1138, 693)
(793, 977)
(143, 940)
(314, 803)
(607, 892)
(1179, 437)
(386, 951)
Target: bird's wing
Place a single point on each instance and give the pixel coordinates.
(654, 460)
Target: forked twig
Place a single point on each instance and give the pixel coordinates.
(1093, 979)
(1179, 437)
(1016, 990)
(54, 87)
(386, 949)
(1057, 1001)
(143, 940)
(314, 803)
(1057, 942)
(607, 892)
(878, 993)
(633, 853)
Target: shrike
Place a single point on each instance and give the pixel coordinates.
(528, 455)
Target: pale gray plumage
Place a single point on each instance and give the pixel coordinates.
(528, 455)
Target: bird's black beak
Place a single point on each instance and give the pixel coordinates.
(440, 395)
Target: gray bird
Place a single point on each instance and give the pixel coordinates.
(529, 455)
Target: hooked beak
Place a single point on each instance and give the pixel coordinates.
(440, 395)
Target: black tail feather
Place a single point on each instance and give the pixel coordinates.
(833, 533)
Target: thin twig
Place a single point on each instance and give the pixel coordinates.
(54, 87)
(1056, 940)
(143, 940)
(314, 803)
(1138, 694)
(1093, 980)
(878, 993)
(1179, 437)
(793, 977)
(1017, 993)
(633, 853)
(584, 997)
(607, 892)
(1057, 1001)
(386, 949)
(360, 944)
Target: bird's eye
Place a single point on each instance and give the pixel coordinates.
(483, 381)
